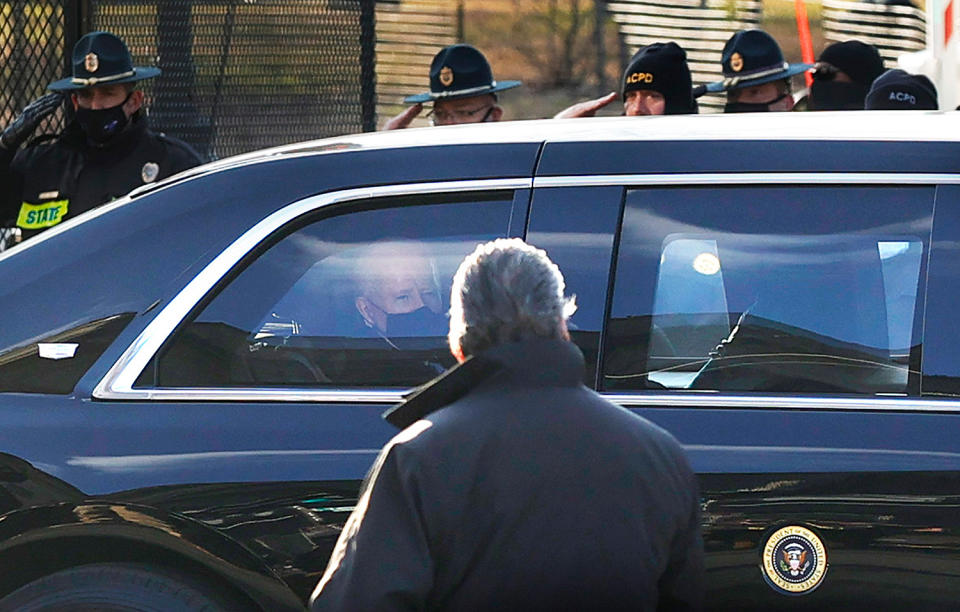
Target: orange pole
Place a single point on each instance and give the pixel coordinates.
(806, 41)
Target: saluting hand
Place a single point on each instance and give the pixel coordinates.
(586, 109)
(404, 119)
(23, 126)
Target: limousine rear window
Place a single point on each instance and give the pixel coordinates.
(804, 290)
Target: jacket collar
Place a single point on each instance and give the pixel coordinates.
(539, 362)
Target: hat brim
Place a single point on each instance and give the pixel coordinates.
(139, 74)
(453, 95)
(791, 70)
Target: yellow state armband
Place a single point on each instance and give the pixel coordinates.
(39, 216)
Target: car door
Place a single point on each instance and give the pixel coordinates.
(251, 402)
(775, 325)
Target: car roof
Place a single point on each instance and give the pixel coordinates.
(843, 125)
(850, 126)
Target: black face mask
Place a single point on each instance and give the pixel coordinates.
(102, 125)
(751, 107)
(421, 322)
(832, 95)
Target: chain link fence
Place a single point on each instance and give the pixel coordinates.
(33, 39)
(409, 34)
(241, 75)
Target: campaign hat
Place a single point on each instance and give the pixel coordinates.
(460, 71)
(661, 67)
(753, 57)
(899, 90)
(101, 58)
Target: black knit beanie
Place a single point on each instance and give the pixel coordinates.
(898, 90)
(860, 61)
(662, 67)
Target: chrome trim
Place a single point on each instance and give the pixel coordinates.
(759, 178)
(118, 382)
(712, 399)
(240, 394)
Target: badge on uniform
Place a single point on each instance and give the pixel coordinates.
(150, 172)
(91, 62)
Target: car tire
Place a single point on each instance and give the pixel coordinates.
(115, 587)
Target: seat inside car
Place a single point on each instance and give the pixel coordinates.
(813, 319)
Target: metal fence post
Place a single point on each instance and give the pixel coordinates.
(173, 107)
(368, 60)
(600, 44)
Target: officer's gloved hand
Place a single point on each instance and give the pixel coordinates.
(23, 126)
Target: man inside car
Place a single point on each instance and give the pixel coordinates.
(398, 293)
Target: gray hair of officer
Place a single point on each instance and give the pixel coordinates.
(506, 291)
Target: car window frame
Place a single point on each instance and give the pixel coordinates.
(119, 380)
(719, 399)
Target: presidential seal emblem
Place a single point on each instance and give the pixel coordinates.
(446, 76)
(149, 172)
(91, 62)
(794, 560)
(736, 62)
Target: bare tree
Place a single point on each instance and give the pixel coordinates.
(556, 39)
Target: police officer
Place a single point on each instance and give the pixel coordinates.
(899, 90)
(106, 151)
(843, 76)
(462, 90)
(756, 76)
(656, 82)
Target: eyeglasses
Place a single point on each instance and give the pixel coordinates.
(444, 117)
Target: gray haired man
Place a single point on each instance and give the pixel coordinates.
(512, 486)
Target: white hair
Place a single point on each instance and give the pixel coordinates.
(506, 291)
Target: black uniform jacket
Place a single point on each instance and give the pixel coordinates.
(48, 182)
(529, 492)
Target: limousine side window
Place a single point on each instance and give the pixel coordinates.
(357, 299)
(773, 289)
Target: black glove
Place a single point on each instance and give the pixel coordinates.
(23, 126)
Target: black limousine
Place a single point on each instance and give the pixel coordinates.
(189, 396)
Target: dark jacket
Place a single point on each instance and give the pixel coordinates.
(49, 182)
(529, 492)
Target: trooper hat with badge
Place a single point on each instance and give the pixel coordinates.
(101, 59)
(461, 73)
(752, 58)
